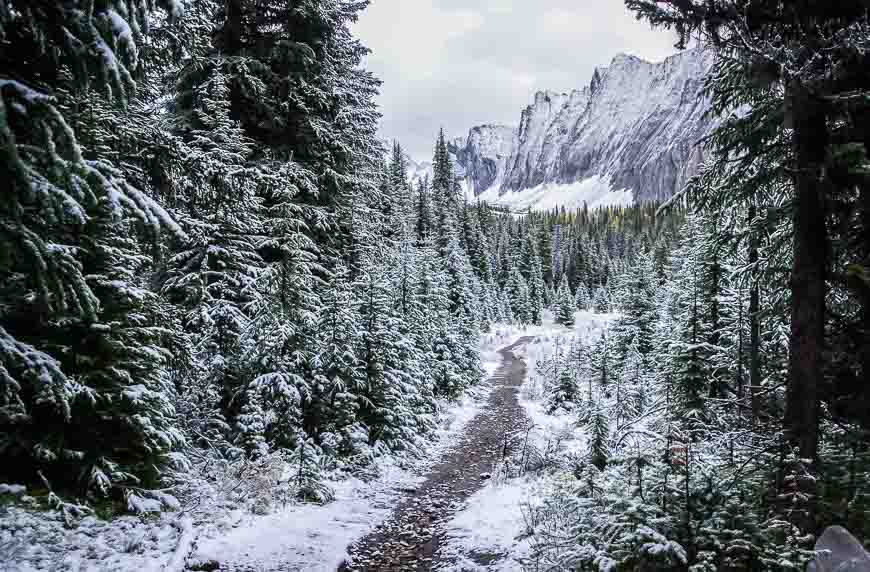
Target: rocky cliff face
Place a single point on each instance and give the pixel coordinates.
(483, 157)
(637, 125)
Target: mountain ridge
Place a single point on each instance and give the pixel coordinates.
(636, 125)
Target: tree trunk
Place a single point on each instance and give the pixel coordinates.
(232, 46)
(740, 352)
(864, 296)
(809, 270)
(754, 326)
(716, 389)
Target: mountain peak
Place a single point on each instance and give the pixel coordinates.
(622, 58)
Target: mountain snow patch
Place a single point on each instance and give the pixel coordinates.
(594, 191)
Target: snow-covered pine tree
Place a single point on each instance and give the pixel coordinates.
(550, 296)
(637, 307)
(581, 298)
(603, 362)
(530, 267)
(123, 426)
(601, 301)
(400, 187)
(599, 436)
(631, 396)
(57, 202)
(690, 350)
(281, 339)
(446, 205)
(423, 210)
(545, 248)
(504, 256)
(210, 275)
(331, 417)
(392, 401)
(565, 304)
(517, 293)
(307, 468)
(566, 391)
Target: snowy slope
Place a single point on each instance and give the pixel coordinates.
(594, 192)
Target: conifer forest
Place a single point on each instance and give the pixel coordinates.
(242, 330)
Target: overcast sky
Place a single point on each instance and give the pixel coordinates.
(460, 63)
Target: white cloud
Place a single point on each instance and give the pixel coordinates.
(456, 63)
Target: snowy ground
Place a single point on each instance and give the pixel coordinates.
(303, 537)
(494, 519)
(595, 191)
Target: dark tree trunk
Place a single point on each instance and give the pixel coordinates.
(231, 45)
(864, 296)
(809, 270)
(716, 389)
(754, 326)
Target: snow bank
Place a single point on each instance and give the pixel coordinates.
(32, 539)
(488, 534)
(307, 537)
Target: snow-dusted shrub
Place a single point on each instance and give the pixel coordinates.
(263, 482)
(599, 525)
(220, 483)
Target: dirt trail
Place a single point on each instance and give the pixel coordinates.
(409, 539)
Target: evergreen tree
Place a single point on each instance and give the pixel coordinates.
(61, 209)
(400, 187)
(518, 296)
(582, 299)
(282, 336)
(307, 479)
(603, 364)
(423, 210)
(637, 308)
(530, 267)
(392, 399)
(601, 301)
(210, 274)
(565, 305)
(599, 452)
(690, 352)
(338, 386)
